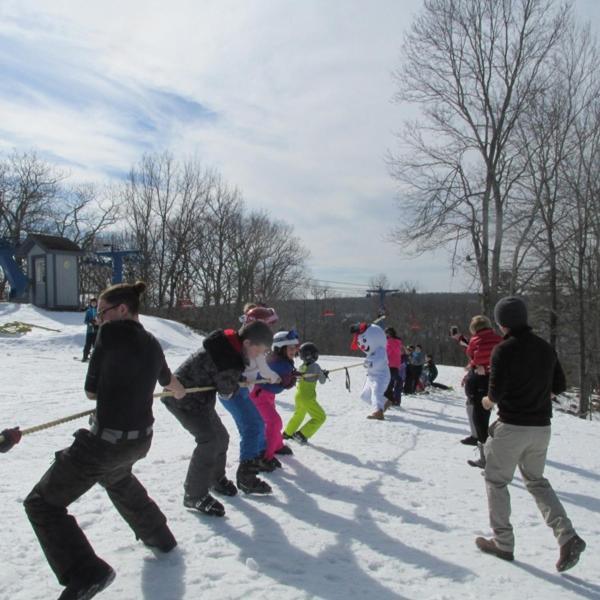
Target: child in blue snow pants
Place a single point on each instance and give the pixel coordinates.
(249, 423)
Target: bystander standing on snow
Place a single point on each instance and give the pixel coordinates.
(525, 373)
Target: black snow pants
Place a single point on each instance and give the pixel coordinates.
(89, 460)
(476, 387)
(208, 461)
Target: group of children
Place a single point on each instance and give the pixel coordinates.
(245, 370)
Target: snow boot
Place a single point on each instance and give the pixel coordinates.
(284, 450)
(265, 465)
(161, 539)
(248, 482)
(286, 436)
(480, 462)
(207, 505)
(225, 487)
(471, 440)
(88, 582)
(387, 404)
(489, 547)
(377, 415)
(300, 437)
(569, 553)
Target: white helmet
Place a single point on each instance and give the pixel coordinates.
(286, 338)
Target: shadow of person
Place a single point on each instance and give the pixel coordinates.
(163, 576)
(389, 467)
(427, 425)
(573, 469)
(578, 586)
(331, 573)
(362, 527)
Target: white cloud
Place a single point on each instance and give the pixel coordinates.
(300, 91)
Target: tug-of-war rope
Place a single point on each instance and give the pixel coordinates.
(192, 390)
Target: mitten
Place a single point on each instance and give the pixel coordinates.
(11, 437)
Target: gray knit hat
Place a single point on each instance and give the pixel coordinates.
(511, 312)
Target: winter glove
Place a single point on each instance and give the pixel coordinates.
(288, 380)
(11, 437)
(227, 383)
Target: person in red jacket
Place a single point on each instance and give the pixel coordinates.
(479, 351)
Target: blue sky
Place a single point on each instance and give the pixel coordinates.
(291, 101)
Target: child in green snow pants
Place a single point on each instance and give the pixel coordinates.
(306, 395)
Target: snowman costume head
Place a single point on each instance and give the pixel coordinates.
(372, 338)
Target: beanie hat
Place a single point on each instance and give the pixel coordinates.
(260, 313)
(256, 332)
(511, 312)
(286, 338)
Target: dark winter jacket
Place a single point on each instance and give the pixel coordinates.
(219, 363)
(481, 346)
(125, 366)
(431, 371)
(525, 371)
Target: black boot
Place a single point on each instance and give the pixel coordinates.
(471, 440)
(207, 505)
(284, 450)
(225, 487)
(161, 539)
(266, 465)
(88, 582)
(300, 437)
(248, 482)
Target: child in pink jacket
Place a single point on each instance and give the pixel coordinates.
(281, 361)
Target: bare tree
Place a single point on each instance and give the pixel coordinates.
(547, 138)
(473, 67)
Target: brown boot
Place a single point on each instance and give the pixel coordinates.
(387, 404)
(489, 547)
(569, 553)
(377, 415)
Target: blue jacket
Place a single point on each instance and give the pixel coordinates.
(91, 312)
(285, 369)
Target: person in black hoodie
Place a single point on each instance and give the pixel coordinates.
(525, 374)
(122, 374)
(219, 364)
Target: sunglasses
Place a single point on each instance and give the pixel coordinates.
(102, 312)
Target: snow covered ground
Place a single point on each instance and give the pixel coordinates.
(375, 510)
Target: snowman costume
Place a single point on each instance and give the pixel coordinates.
(372, 341)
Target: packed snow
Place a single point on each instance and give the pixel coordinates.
(368, 509)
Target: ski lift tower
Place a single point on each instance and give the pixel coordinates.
(381, 293)
(116, 257)
(18, 281)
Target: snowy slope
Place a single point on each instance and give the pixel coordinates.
(369, 510)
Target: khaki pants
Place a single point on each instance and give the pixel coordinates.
(510, 446)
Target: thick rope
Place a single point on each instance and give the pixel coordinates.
(192, 390)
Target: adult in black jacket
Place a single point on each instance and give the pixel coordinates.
(525, 373)
(123, 371)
